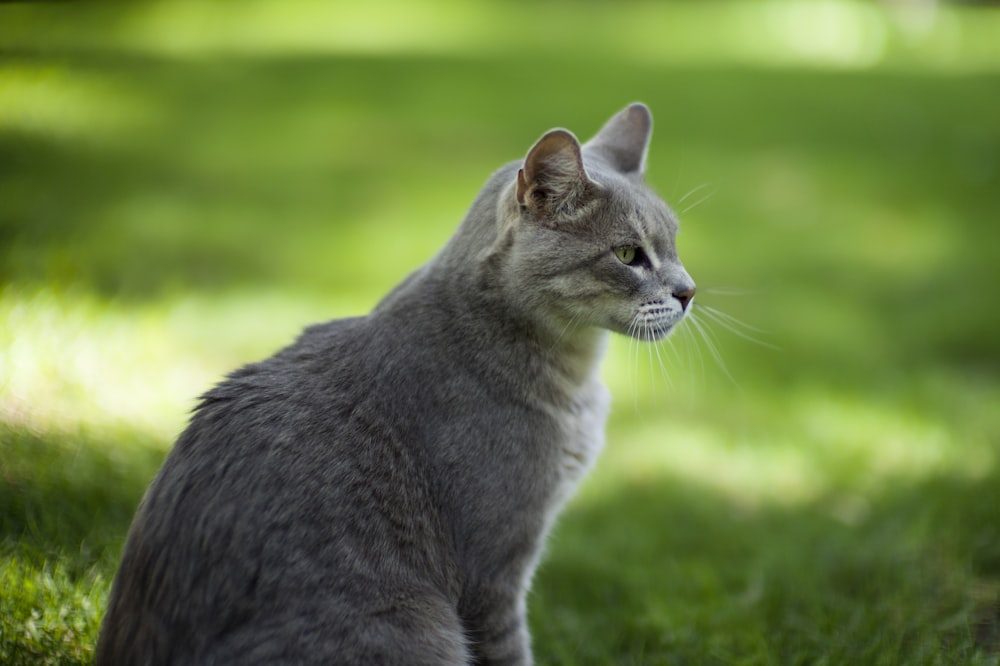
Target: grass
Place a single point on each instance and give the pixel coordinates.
(177, 200)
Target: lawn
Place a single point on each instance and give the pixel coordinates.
(184, 186)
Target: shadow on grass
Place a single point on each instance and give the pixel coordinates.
(668, 572)
(71, 496)
(135, 228)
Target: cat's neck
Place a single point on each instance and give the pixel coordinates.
(551, 362)
(461, 294)
(543, 362)
(569, 351)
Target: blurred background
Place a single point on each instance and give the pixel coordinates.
(810, 476)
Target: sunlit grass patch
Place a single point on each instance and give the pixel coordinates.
(50, 616)
(75, 361)
(819, 446)
(70, 360)
(66, 499)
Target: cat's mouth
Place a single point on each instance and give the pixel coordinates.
(654, 323)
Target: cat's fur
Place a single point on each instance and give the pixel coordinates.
(378, 492)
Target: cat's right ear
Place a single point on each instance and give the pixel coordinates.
(624, 140)
(552, 181)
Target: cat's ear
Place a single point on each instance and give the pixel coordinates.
(553, 180)
(624, 140)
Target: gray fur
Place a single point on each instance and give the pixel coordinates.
(379, 492)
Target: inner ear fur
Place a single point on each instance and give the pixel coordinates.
(553, 179)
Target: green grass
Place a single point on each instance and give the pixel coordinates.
(183, 186)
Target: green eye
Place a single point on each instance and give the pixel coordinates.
(626, 254)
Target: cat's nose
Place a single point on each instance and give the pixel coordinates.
(684, 296)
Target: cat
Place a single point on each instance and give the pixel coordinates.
(379, 491)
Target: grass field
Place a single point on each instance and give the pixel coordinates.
(183, 186)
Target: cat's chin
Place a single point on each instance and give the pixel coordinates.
(651, 330)
(654, 335)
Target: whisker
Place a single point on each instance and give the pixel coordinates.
(633, 369)
(697, 203)
(736, 327)
(572, 321)
(711, 344)
(634, 357)
(699, 188)
(688, 362)
(646, 336)
(729, 318)
(659, 359)
(669, 340)
(691, 342)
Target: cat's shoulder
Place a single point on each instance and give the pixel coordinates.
(318, 351)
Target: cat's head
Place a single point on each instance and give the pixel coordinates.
(591, 243)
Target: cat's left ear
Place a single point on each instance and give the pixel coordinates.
(553, 181)
(624, 140)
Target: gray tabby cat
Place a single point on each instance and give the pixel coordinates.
(379, 492)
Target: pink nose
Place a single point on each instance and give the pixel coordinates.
(684, 297)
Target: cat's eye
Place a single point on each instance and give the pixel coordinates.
(627, 254)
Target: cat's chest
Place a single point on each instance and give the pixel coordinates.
(581, 427)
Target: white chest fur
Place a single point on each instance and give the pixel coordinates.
(582, 440)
